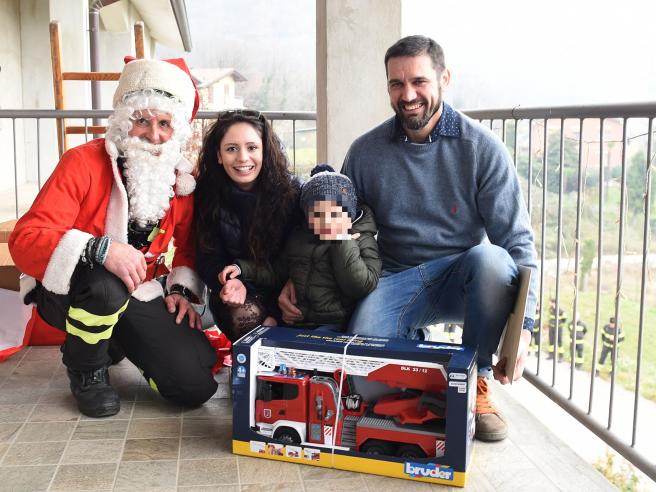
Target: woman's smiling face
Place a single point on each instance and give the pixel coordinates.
(240, 154)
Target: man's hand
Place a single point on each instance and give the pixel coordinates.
(287, 303)
(127, 263)
(229, 272)
(499, 370)
(233, 292)
(184, 307)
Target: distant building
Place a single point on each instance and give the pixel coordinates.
(217, 88)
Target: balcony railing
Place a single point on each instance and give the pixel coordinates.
(586, 177)
(586, 173)
(29, 139)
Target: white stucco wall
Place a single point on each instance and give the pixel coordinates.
(10, 95)
(352, 37)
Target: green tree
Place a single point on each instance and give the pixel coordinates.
(587, 257)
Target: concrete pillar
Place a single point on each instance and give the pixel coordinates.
(352, 37)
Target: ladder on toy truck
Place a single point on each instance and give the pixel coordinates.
(298, 400)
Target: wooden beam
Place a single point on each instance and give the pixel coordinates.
(58, 86)
(139, 39)
(91, 76)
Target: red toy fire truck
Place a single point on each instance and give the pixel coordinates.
(306, 397)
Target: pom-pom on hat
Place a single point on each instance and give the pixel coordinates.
(326, 184)
(169, 76)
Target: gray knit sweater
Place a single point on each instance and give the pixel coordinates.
(442, 197)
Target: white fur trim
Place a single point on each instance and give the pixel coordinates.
(186, 277)
(148, 291)
(116, 221)
(143, 74)
(64, 259)
(27, 285)
(184, 184)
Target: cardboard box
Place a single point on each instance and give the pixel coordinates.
(5, 230)
(399, 408)
(9, 274)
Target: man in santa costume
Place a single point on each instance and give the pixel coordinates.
(92, 246)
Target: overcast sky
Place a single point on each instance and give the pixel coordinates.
(530, 53)
(501, 53)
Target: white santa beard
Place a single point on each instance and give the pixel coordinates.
(149, 170)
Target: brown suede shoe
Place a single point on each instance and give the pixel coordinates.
(490, 425)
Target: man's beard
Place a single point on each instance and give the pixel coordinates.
(417, 123)
(149, 170)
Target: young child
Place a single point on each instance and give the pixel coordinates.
(332, 259)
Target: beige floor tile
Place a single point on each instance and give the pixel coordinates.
(15, 413)
(84, 477)
(37, 370)
(208, 472)
(124, 413)
(210, 488)
(215, 408)
(376, 483)
(9, 431)
(100, 429)
(34, 453)
(155, 409)
(54, 412)
(8, 366)
(4, 446)
(60, 396)
(194, 448)
(146, 393)
(127, 392)
(273, 487)
(222, 391)
(147, 428)
(20, 395)
(46, 431)
(205, 427)
(103, 451)
(255, 470)
(38, 354)
(338, 485)
(25, 478)
(158, 448)
(146, 475)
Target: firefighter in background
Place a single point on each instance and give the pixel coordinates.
(608, 342)
(453, 332)
(552, 330)
(577, 337)
(535, 333)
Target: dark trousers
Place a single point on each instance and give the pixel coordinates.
(605, 352)
(176, 360)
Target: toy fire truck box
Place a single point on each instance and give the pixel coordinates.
(392, 407)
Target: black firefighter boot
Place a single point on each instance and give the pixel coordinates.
(95, 397)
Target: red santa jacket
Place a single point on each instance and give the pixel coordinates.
(85, 197)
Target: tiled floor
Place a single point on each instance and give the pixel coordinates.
(45, 444)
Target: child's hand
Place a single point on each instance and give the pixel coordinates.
(231, 271)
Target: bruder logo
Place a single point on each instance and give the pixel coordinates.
(428, 470)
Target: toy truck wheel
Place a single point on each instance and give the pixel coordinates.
(410, 451)
(374, 446)
(288, 435)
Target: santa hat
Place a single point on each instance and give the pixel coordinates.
(170, 76)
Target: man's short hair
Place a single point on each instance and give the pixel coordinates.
(415, 46)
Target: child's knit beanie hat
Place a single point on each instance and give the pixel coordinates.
(326, 184)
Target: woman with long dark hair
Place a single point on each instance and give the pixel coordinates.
(246, 203)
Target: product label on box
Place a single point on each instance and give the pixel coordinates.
(461, 385)
(428, 470)
(457, 375)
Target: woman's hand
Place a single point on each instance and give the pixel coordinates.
(231, 271)
(233, 292)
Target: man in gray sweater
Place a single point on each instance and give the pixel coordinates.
(452, 224)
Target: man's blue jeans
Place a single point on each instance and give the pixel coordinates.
(477, 287)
